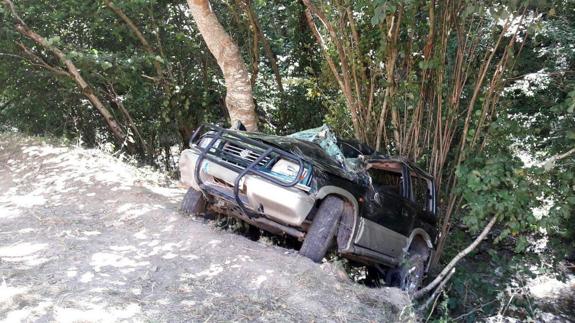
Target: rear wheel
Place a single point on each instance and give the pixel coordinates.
(194, 203)
(409, 275)
(321, 234)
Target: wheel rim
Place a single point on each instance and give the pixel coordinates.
(411, 278)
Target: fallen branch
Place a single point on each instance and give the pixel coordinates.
(435, 294)
(445, 272)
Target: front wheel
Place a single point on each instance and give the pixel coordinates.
(321, 234)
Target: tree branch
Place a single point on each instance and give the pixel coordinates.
(38, 61)
(72, 70)
(550, 162)
(134, 28)
(456, 259)
(438, 290)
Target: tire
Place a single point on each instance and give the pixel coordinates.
(409, 275)
(321, 234)
(194, 203)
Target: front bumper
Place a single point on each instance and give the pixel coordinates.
(287, 205)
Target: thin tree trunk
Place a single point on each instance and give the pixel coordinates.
(116, 99)
(138, 33)
(267, 47)
(239, 98)
(344, 78)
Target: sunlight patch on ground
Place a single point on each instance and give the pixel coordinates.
(141, 235)
(131, 211)
(87, 277)
(167, 247)
(7, 212)
(28, 313)
(96, 313)
(22, 249)
(207, 274)
(91, 233)
(7, 293)
(190, 257)
(28, 200)
(44, 150)
(214, 242)
(547, 287)
(259, 280)
(104, 259)
(166, 192)
(169, 255)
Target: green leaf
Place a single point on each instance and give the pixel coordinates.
(521, 244)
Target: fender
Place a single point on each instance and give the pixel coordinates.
(418, 232)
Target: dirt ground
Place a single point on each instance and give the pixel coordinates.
(85, 237)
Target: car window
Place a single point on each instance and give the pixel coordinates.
(421, 192)
(384, 180)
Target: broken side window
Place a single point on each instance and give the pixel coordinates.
(421, 190)
(384, 180)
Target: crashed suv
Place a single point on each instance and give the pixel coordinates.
(329, 193)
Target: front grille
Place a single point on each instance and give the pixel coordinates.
(242, 156)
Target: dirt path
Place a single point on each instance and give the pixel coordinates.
(84, 237)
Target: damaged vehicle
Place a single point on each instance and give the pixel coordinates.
(329, 193)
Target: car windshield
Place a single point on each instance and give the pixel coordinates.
(326, 139)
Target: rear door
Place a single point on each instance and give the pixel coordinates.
(423, 200)
(387, 215)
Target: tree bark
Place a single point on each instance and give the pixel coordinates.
(239, 98)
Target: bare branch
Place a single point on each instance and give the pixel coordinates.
(550, 162)
(456, 259)
(435, 294)
(38, 61)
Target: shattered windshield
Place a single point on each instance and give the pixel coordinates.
(326, 139)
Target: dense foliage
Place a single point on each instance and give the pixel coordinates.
(481, 95)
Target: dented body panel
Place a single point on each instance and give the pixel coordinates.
(276, 183)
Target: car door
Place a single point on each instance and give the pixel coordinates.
(423, 199)
(383, 225)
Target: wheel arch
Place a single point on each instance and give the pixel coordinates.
(323, 192)
(417, 237)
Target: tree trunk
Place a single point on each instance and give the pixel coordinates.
(239, 98)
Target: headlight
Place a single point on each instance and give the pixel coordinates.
(288, 169)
